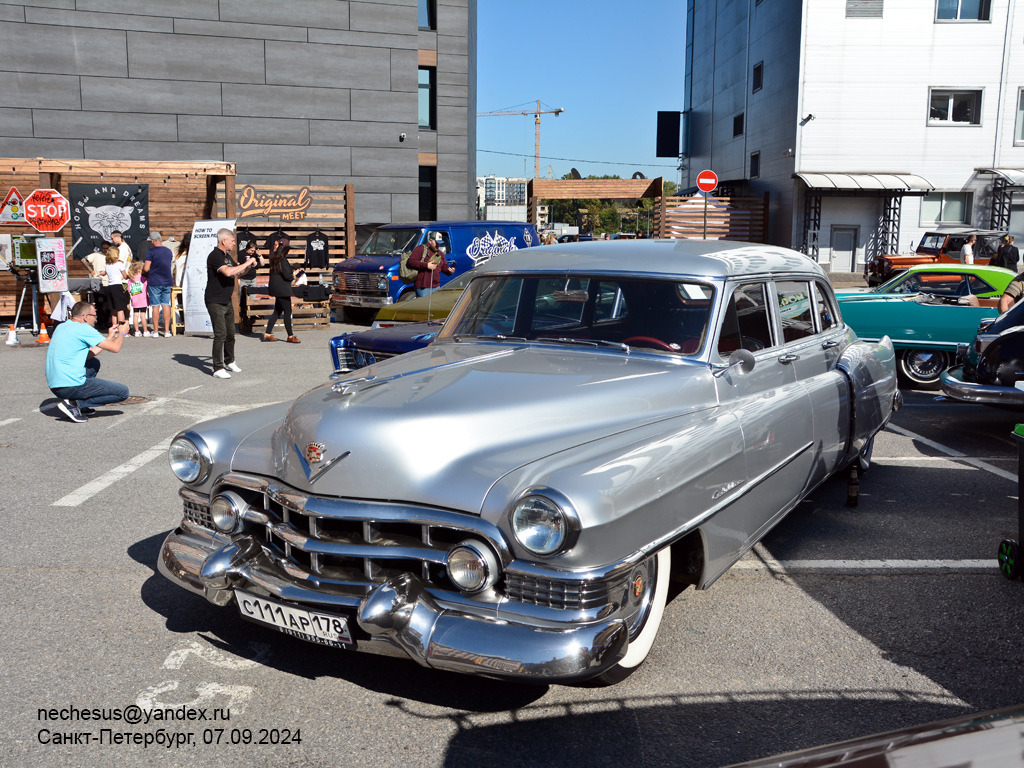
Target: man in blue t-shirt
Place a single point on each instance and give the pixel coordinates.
(157, 269)
(71, 363)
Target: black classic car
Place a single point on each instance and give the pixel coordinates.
(991, 370)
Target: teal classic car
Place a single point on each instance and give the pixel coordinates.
(926, 311)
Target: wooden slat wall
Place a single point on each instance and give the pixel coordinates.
(332, 212)
(728, 218)
(178, 197)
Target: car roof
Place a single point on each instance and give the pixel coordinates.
(964, 231)
(700, 258)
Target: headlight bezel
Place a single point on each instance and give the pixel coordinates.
(482, 554)
(202, 450)
(565, 509)
(237, 507)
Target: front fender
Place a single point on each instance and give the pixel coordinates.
(870, 369)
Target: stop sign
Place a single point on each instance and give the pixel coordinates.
(47, 210)
(707, 181)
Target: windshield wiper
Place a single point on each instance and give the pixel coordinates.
(495, 337)
(586, 342)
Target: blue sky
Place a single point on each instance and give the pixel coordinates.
(610, 65)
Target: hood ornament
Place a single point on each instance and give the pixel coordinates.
(314, 455)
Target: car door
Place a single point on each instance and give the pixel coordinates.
(813, 340)
(773, 408)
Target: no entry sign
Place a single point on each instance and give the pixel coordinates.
(47, 210)
(707, 181)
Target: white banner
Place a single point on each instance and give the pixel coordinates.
(52, 265)
(193, 285)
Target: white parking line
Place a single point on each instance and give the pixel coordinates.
(790, 567)
(89, 490)
(1012, 476)
(5, 422)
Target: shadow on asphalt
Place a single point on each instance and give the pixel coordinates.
(200, 363)
(48, 407)
(679, 732)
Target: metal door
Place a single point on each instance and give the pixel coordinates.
(844, 249)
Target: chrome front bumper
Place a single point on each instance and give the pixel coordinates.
(953, 386)
(346, 300)
(400, 617)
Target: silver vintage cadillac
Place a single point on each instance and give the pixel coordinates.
(593, 420)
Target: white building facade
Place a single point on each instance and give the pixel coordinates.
(868, 122)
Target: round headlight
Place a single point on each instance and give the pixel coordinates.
(225, 513)
(188, 461)
(472, 566)
(539, 525)
(382, 283)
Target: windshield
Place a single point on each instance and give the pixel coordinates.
(391, 242)
(659, 315)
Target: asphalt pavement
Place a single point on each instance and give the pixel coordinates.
(842, 622)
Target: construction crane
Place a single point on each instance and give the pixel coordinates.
(536, 120)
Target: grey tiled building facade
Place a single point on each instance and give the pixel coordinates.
(377, 93)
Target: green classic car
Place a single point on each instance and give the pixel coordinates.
(435, 306)
(926, 311)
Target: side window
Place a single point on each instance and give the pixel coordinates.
(609, 304)
(977, 285)
(444, 243)
(828, 317)
(796, 311)
(747, 323)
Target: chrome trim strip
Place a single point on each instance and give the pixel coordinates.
(967, 391)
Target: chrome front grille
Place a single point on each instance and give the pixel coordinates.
(359, 544)
(361, 283)
(556, 593)
(353, 358)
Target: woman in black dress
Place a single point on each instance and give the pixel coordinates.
(281, 277)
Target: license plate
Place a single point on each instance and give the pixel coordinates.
(316, 627)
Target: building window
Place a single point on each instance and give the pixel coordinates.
(963, 10)
(737, 125)
(946, 208)
(757, 79)
(755, 164)
(428, 193)
(428, 98)
(1018, 133)
(863, 9)
(954, 107)
(428, 14)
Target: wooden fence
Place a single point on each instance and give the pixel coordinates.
(718, 218)
(179, 194)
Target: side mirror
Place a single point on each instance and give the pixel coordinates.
(744, 358)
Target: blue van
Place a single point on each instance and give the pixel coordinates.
(369, 281)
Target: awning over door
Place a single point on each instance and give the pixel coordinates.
(1013, 177)
(905, 183)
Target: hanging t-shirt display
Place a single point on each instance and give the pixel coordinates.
(271, 242)
(317, 254)
(244, 237)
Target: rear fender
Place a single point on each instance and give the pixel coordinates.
(870, 369)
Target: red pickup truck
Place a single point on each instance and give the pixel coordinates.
(940, 245)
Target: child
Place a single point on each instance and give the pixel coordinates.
(137, 285)
(116, 294)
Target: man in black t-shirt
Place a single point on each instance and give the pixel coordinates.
(221, 271)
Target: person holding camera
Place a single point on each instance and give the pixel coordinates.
(221, 271)
(71, 363)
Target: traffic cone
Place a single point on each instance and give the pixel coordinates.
(12, 337)
(44, 337)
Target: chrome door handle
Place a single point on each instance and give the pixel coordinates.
(787, 359)
(830, 344)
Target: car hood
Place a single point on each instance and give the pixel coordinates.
(440, 425)
(367, 264)
(397, 338)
